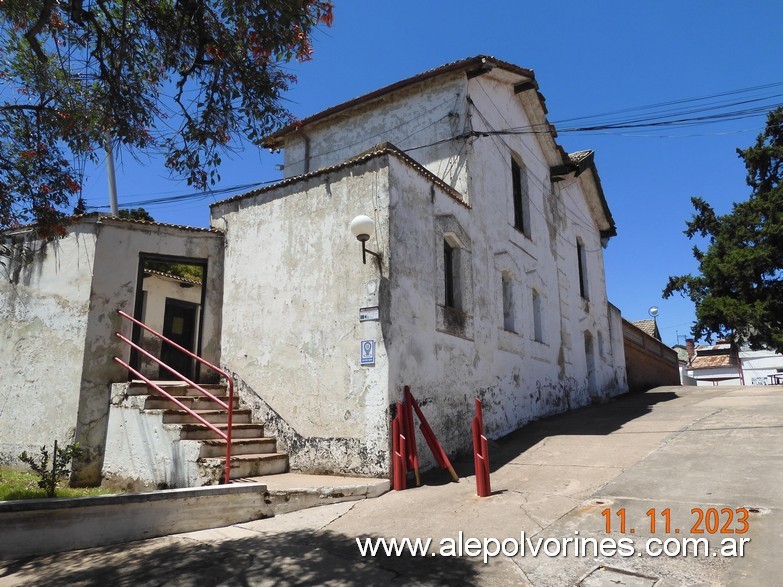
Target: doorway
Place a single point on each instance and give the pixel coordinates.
(180, 323)
(170, 297)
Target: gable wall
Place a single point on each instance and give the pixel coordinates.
(294, 284)
(414, 117)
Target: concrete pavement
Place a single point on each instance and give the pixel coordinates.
(685, 450)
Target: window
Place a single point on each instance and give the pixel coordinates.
(521, 197)
(450, 300)
(582, 261)
(538, 332)
(508, 302)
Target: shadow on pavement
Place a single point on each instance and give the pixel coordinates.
(289, 558)
(597, 420)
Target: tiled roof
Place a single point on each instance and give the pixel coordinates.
(114, 219)
(103, 217)
(377, 151)
(478, 62)
(172, 276)
(647, 326)
(712, 361)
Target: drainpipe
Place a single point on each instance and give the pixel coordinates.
(306, 153)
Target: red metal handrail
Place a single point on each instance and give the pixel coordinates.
(230, 406)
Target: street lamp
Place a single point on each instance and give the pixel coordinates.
(361, 227)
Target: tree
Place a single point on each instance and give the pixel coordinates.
(184, 78)
(135, 214)
(739, 291)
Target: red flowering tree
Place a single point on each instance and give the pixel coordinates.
(185, 78)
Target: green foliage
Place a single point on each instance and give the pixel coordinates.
(16, 485)
(48, 475)
(136, 214)
(739, 291)
(187, 79)
(194, 272)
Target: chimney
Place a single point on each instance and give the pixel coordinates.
(689, 346)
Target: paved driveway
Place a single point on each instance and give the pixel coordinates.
(697, 458)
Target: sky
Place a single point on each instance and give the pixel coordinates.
(589, 58)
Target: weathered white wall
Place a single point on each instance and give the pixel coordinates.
(114, 288)
(43, 311)
(518, 377)
(157, 288)
(416, 117)
(299, 336)
(294, 284)
(60, 311)
(756, 365)
(141, 453)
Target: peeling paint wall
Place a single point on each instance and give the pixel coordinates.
(114, 288)
(415, 117)
(60, 307)
(520, 374)
(141, 453)
(44, 302)
(294, 284)
(649, 362)
(520, 333)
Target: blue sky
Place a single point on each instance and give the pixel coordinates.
(589, 58)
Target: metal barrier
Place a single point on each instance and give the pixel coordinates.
(227, 406)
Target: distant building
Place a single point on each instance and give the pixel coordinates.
(722, 364)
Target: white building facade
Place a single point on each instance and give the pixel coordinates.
(490, 281)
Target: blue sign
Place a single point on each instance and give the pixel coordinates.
(367, 352)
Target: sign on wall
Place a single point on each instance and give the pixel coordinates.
(367, 352)
(369, 313)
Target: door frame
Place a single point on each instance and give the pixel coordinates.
(139, 302)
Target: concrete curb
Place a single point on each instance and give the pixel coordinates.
(44, 526)
(284, 501)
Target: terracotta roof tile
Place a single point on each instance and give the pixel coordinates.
(710, 362)
(648, 326)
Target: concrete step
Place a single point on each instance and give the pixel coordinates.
(156, 402)
(201, 432)
(239, 446)
(242, 416)
(252, 465)
(176, 388)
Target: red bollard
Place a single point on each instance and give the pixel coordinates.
(410, 436)
(399, 470)
(480, 454)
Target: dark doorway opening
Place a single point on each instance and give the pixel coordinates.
(179, 325)
(170, 296)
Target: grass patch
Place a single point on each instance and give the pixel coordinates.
(15, 484)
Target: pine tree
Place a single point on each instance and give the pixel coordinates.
(738, 292)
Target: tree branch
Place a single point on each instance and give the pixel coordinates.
(32, 34)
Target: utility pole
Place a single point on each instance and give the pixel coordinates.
(110, 173)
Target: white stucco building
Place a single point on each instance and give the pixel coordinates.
(490, 280)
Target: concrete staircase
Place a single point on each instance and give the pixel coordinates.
(252, 454)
